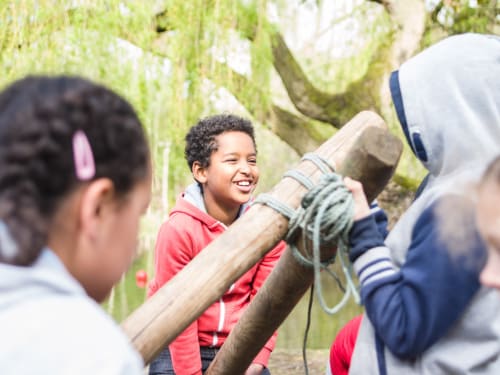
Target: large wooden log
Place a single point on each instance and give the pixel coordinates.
(371, 160)
(186, 296)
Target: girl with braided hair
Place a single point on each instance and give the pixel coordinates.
(75, 177)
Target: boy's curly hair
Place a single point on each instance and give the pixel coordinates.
(201, 142)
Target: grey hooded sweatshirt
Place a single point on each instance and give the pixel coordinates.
(426, 312)
(49, 325)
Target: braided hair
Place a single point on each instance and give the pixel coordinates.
(38, 117)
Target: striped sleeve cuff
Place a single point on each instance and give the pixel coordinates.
(364, 236)
(374, 207)
(373, 265)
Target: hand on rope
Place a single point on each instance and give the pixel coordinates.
(361, 207)
(321, 226)
(324, 219)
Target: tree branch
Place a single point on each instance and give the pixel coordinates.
(299, 133)
(337, 108)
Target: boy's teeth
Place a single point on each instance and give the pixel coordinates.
(244, 183)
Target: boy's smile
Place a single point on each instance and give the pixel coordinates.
(245, 186)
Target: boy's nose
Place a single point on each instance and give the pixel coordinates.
(245, 168)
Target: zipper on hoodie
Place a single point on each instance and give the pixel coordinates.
(222, 308)
(220, 326)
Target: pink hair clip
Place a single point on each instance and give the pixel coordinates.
(83, 157)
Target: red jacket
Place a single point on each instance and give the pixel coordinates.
(343, 347)
(186, 232)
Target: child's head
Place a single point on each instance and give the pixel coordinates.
(221, 153)
(201, 140)
(488, 220)
(74, 175)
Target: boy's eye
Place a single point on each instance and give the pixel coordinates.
(252, 161)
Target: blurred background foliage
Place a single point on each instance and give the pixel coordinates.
(299, 69)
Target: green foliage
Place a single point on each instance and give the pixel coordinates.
(168, 63)
(461, 16)
(48, 37)
(335, 74)
(168, 66)
(471, 20)
(203, 37)
(115, 42)
(478, 19)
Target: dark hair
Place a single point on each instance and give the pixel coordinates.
(38, 117)
(492, 172)
(201, 142)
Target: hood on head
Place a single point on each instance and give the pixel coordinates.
(447, 99)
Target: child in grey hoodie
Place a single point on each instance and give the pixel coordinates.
(75, 177)
(426, 312)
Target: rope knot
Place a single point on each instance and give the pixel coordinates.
(324, 219)
(326, 209)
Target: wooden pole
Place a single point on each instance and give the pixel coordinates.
(187, 295)
(290, 279)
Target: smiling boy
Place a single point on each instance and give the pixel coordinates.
(222, 156)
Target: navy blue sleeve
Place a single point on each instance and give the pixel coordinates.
(412, 307)
(380, 218)
(364, 235)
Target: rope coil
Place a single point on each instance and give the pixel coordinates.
(324, 219)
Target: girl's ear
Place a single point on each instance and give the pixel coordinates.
(94, 202)
(199, 172)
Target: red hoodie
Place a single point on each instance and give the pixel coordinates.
(187, 231)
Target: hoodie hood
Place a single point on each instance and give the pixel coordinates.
(50, 326)
(450, 113)
(191, 203)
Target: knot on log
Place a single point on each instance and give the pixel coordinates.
(324, 217)
(322, 221)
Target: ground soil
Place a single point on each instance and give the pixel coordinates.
(291, 362)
